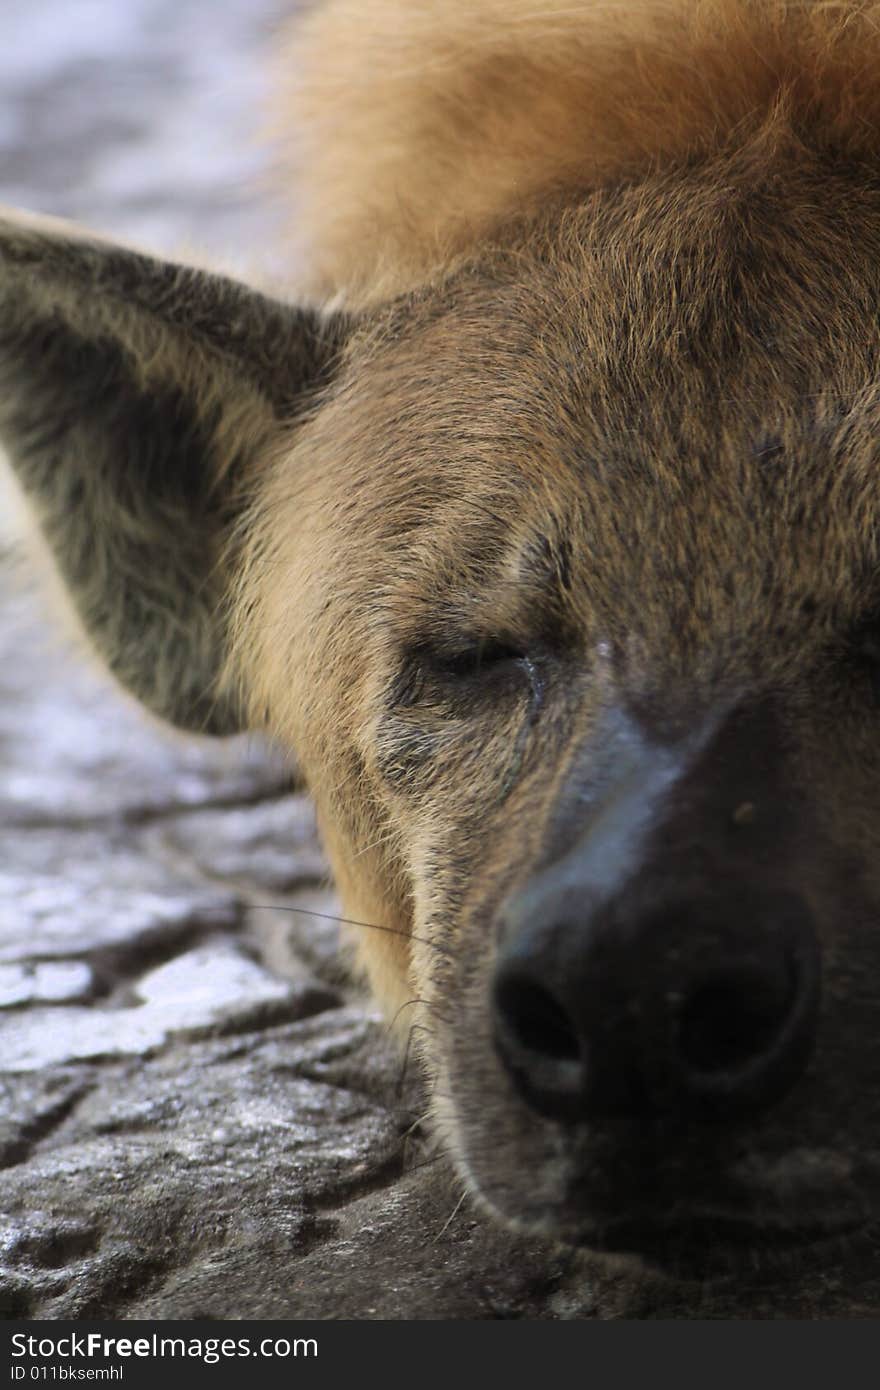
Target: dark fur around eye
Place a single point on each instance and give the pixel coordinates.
(863, 647)
(426, 669)
(474, 659)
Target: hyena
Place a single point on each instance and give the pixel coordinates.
(542, 524)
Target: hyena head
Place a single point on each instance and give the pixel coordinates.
(559, 569)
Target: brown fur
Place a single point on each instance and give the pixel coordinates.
(410, 131)
(592, 463)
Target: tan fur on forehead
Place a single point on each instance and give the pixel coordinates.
(420, 124)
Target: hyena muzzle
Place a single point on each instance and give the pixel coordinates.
(545, 530)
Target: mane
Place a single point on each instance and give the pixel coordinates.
(410, 130)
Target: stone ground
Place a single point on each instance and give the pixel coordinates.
(199, 1116)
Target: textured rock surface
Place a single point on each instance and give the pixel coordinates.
(198, 1116)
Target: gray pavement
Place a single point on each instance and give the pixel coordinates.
(199, 1114)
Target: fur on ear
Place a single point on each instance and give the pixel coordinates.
(409, 131)
(137, 397)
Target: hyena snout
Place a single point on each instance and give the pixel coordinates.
(698, 1008)
(665, 965)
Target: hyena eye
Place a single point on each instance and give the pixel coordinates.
(431, 672)
(475, 659)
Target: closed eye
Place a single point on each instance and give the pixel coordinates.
(432, 672)
(474, 658)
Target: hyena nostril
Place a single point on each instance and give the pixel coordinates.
(691, 1009)
(539, 1044)
(728, 1021)
(745, 1033)
(535, 1022)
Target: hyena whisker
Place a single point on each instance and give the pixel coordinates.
(420, 1028)
(398, 1090)
(434, 1145)
(425, 1003)
(451, 1217)
(350, 922)
(430, 1032)
(437, 1157)
(419, 1120)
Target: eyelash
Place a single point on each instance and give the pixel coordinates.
(427, 668)
(470, 661)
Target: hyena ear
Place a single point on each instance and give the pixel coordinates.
(136, 397)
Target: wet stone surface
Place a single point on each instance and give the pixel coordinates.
(82, 753)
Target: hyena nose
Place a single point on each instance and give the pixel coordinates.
(691, 1011)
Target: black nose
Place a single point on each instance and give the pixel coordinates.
(696, 1009)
